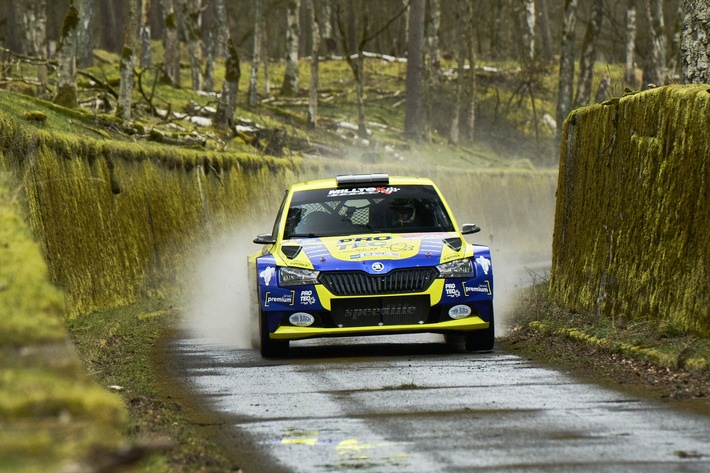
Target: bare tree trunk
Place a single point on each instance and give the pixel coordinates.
(265, 57)
(222, 29)
(291, 75)
(433, 53)
(145, 35)
(589, 52)
(84, 38)
(66, 80)
(694, 53)
(454, 131)
(529, 33)
(471, 128)
(128, 54)
(33, 21)
(312, 121)
(192, 19)
(209, 63)
(545, 35)
(566, 77)
(171, 44)
(655, 72)
(630, 67)
(326, 27)
(255, 57)
(227, 104)
(413, 114)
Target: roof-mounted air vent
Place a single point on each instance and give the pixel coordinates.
(354, 180)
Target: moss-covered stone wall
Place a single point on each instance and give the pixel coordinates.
(118, 222)
(632, 221)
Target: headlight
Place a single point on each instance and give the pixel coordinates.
(460, 268)
(297, 277)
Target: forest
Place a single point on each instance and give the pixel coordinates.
(540, 57)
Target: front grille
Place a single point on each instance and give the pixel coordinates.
(372, 311)
(359, 283)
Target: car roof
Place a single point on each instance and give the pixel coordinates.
(362, 180)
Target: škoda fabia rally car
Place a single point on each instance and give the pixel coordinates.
(367, 255)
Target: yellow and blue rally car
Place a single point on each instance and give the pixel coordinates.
(366, 255)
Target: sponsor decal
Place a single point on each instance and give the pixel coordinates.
(307, 298)
(282, 299)
(374, 254)
(480, 289)
(459, 311)
(396, 309)
(378, 267)
(267, 274)
(451, 291)
(362, 191)
(484, 263)
(301, 319)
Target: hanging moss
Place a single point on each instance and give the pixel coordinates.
(631, 232)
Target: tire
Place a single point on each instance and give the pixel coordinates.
(270, 348)
(480, 340)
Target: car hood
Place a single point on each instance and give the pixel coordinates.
(360, 252)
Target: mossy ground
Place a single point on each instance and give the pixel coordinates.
(655, 361)
(121, 348)
(51, 412)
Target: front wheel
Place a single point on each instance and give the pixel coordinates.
(270, 348)
(480, 340)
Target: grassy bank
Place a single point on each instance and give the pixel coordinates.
(122, 348)
(657, 361)
(52, 414)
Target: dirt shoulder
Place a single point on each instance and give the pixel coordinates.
(602, 363)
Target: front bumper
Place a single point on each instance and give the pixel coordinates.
(288, 332)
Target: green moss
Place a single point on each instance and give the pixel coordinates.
(71, 21)
(36, 116)
(631, 231)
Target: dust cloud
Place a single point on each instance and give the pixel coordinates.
(219, 311)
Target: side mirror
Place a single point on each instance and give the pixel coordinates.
(468, 228)
(264, 239)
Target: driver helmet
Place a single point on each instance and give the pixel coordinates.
(404, 210)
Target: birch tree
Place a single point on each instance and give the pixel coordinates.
(529, 32)
(291, 74)
(192, 21)
(144, 34)
(433, 52)
(462, 17)
(567, 51)
(33, 22)
(544, 27)
(589, 52)
(227, 103)
(695, 37)
(312, 120)
(655, 69)
(630, 63)
(255, 56)
(413, 114)
(221, 29)
(171, 44)
(326, 27)
(66, 76)
(84, 34)
(128, 54)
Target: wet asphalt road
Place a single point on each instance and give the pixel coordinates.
(410, 404)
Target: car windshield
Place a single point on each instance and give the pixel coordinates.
(348, 211)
